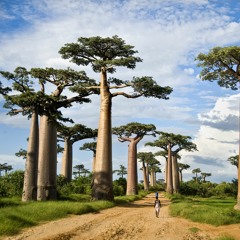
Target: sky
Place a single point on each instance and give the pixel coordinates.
(168, 35)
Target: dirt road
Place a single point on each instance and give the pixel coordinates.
(134, 221)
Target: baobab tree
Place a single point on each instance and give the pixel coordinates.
(79, 169)
(92, 146)
(222, 64)
(70, 135)
(153, 169)
(204, 175)
(133, 133)
(163, 154)
(104, 55)
(172, 144)
(196, 171)
(145, 158)
(181, 167)
(121, 171)
(62, 79)
(34, 103)
(28, 102)
(234, 160)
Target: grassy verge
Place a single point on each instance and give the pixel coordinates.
(214, 211)
(16, 215)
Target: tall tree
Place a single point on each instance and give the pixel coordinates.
(79, 169)
(133, 133)
(121, 171)
(173, 144)
(181, 167)
(164, 154)
(26, 101)
(145, 158)
(196, 171)
(204, 175)
(104, 55)
(92, 146)
(2, 168)
(62, 79)
(234, 160)
(222, 64)
(70, 135)
(153, 169)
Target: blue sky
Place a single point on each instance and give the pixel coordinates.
(168, 35)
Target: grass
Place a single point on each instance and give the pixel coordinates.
(214, 211)
(16, 215)
(225, 238)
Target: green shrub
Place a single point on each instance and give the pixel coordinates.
(11, 185)
(119, 187)
(207, 189)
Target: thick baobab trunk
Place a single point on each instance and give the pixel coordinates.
(31, 166)
(102, 182)
(180, 176)
(93, 161)
(175, 173)
(145, 179)
(237, 206)
(66, 169)
(132, 180)
(47, 165)
(152, 178)
(169, 172)
(166, 170)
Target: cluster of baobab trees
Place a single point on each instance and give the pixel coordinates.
(104, 55)
(30, 97)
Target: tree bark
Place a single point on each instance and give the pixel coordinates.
(180, 176)
(152, 178)
(132, 180)
(175, 173)
(237, 206)
(169, 172)
(47, 166)
(66, 169)
(31, 165)
(102, 182)
(166, 171)
(144, 177)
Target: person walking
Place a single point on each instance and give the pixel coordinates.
(157, 205)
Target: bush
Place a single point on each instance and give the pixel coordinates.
(80, 185)
(11, 185)
(224, 189)
(207, 189)
(120, 187)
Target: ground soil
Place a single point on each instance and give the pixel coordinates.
(133, 221)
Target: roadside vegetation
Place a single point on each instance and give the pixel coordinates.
(206, 203)
(73, 198)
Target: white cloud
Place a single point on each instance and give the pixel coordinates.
(215, 144)
(168, 36)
